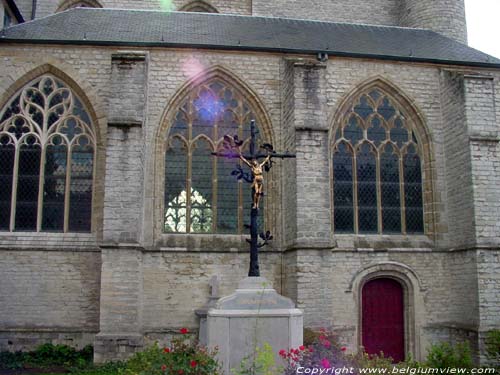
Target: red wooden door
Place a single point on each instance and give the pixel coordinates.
(383, 318)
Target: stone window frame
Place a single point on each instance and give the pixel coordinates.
(413, 300)
(198, 6)
(92, 103)
(212, 241)
(422, 133)
(68, 4)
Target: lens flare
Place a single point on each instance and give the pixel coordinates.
(208, 106)
(167, 5)
(192, 67)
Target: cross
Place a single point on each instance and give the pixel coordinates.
(232, 146)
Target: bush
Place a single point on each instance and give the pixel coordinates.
(325, 352)
(47, 355)
(493, 345)
(444, 355)
(183, 357)
(262, 363)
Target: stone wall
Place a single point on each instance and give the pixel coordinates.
(458, 162)
(48, 296)
(440, 285)
(423, 14)
(376, 12)
(443, 16)
(149, 283)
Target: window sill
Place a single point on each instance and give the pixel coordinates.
(48, 241)
(383, 242)
(201, 242)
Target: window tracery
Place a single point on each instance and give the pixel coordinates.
(377, 173)
(217, 202)
(47, 152)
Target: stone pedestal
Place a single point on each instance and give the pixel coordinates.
(254, 314)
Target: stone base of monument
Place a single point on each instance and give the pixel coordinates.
(253, 315)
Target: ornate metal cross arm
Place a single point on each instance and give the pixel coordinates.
(232, 150)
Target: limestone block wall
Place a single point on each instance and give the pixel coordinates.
(47, 7)
(458, 162)
(444, 16)
(378, 12)
(483, 133)
(177, 283)
(440, 289)
(153, 281)
(50, 295)
(488, 265)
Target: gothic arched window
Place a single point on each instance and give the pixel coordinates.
(377, 173)
(201, 194)
(47, 153)
(199, 7)
(68, 4)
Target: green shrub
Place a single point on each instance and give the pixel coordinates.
(262, 363)
(310, 336)
(365, 360)
(182, 357)
(47, 355)
(444, 355)
(493, 344)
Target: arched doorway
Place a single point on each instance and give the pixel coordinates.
(383, 318)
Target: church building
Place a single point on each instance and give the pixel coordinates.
(117, 223)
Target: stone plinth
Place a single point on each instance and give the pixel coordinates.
(254, 314)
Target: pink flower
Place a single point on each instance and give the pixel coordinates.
(343, 348)
(184, 331)
(326, 343)
(166, 350)
(282, 353)
(302, 348)
(193, 364)
(325, 363)
(163, 368)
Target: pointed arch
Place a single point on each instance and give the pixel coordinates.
(198, 6)
(208, 106)
(68, 4)
(90, 99)
(387, 115)
(415, 115)
(47, 104)
(231, 79)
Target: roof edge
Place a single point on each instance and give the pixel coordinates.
(331, 53)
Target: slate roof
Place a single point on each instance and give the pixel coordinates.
(120, 27)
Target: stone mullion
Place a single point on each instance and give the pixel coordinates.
(41, 184)
(379, 191)
(15, 176)
(188, 186)
(355, 192)
(215, 189)
(402, 202)
(69, 150)
(189, 151)
(241, 198)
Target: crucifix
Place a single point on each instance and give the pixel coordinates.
(258, 162)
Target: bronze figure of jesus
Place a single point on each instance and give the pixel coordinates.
(258, 178)
(232, 147)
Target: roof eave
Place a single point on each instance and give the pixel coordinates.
(478, 64)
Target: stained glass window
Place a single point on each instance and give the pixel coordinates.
(217, 202)
(47, 147)
(377, 174)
